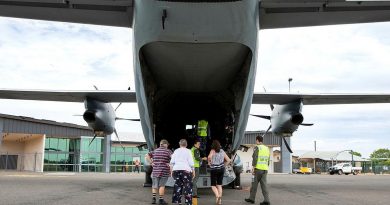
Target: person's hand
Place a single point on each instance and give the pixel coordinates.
(253, 171)
(204, 158)
(193, 174)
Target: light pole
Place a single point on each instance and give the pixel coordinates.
(289, 81)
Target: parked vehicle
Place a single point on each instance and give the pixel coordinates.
(303, 170)
(344, 168)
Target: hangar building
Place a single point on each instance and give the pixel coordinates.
(28, 144)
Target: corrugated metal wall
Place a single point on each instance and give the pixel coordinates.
(27, 127)
(269, 139)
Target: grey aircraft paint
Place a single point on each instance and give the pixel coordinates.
(192, 26)
(100, 116)
(286, 118)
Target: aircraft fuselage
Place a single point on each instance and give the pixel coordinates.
(192, 61)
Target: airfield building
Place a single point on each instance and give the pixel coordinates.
(28, 144)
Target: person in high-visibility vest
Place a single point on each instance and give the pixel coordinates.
(202, 128)
(203, 133)
(260, 163)
(197, 163)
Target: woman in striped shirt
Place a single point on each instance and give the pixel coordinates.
(217, 159)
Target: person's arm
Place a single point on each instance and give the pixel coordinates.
(269, 157)
(190, 160)
(210, 156)
(191, 163)
(254, 158)
(149, 158)
(197, 155)
(171, 164)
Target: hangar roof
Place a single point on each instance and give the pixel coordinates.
(27, 125)
(331, 155)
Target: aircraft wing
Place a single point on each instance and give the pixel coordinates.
(319, 99)
(296, 13)
(99, 12)
(69, 96)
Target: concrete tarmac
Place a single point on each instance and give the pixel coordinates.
(116, 189)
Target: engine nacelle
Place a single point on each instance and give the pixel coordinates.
(296, 119)
(286, 118)
(100, 116)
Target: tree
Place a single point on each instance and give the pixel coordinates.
(387, 163)
(355, 153)
(381, 153)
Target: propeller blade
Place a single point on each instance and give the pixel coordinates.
(118, 106)
(307, 124)
(95, 87)
(92, 140)
(287, 145)
(77, 115)
(262, 116)
(117, 136)
(267, 130)
(119, 118)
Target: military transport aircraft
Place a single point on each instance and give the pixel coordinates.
(200, 54)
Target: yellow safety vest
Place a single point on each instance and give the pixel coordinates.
(196, 162)
(202, 128)
(262, 157)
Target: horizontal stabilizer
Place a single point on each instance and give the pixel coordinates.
(69, 96)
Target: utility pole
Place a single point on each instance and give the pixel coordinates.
(289, 81)
(315, 146)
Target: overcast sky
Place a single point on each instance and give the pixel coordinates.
(328, 59)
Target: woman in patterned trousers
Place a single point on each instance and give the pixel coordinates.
(182, 169)
(183, 186)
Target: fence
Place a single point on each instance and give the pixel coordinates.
(21, 162)
(125, 168)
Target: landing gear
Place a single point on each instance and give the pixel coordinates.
(236, 184)
(148, 173)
